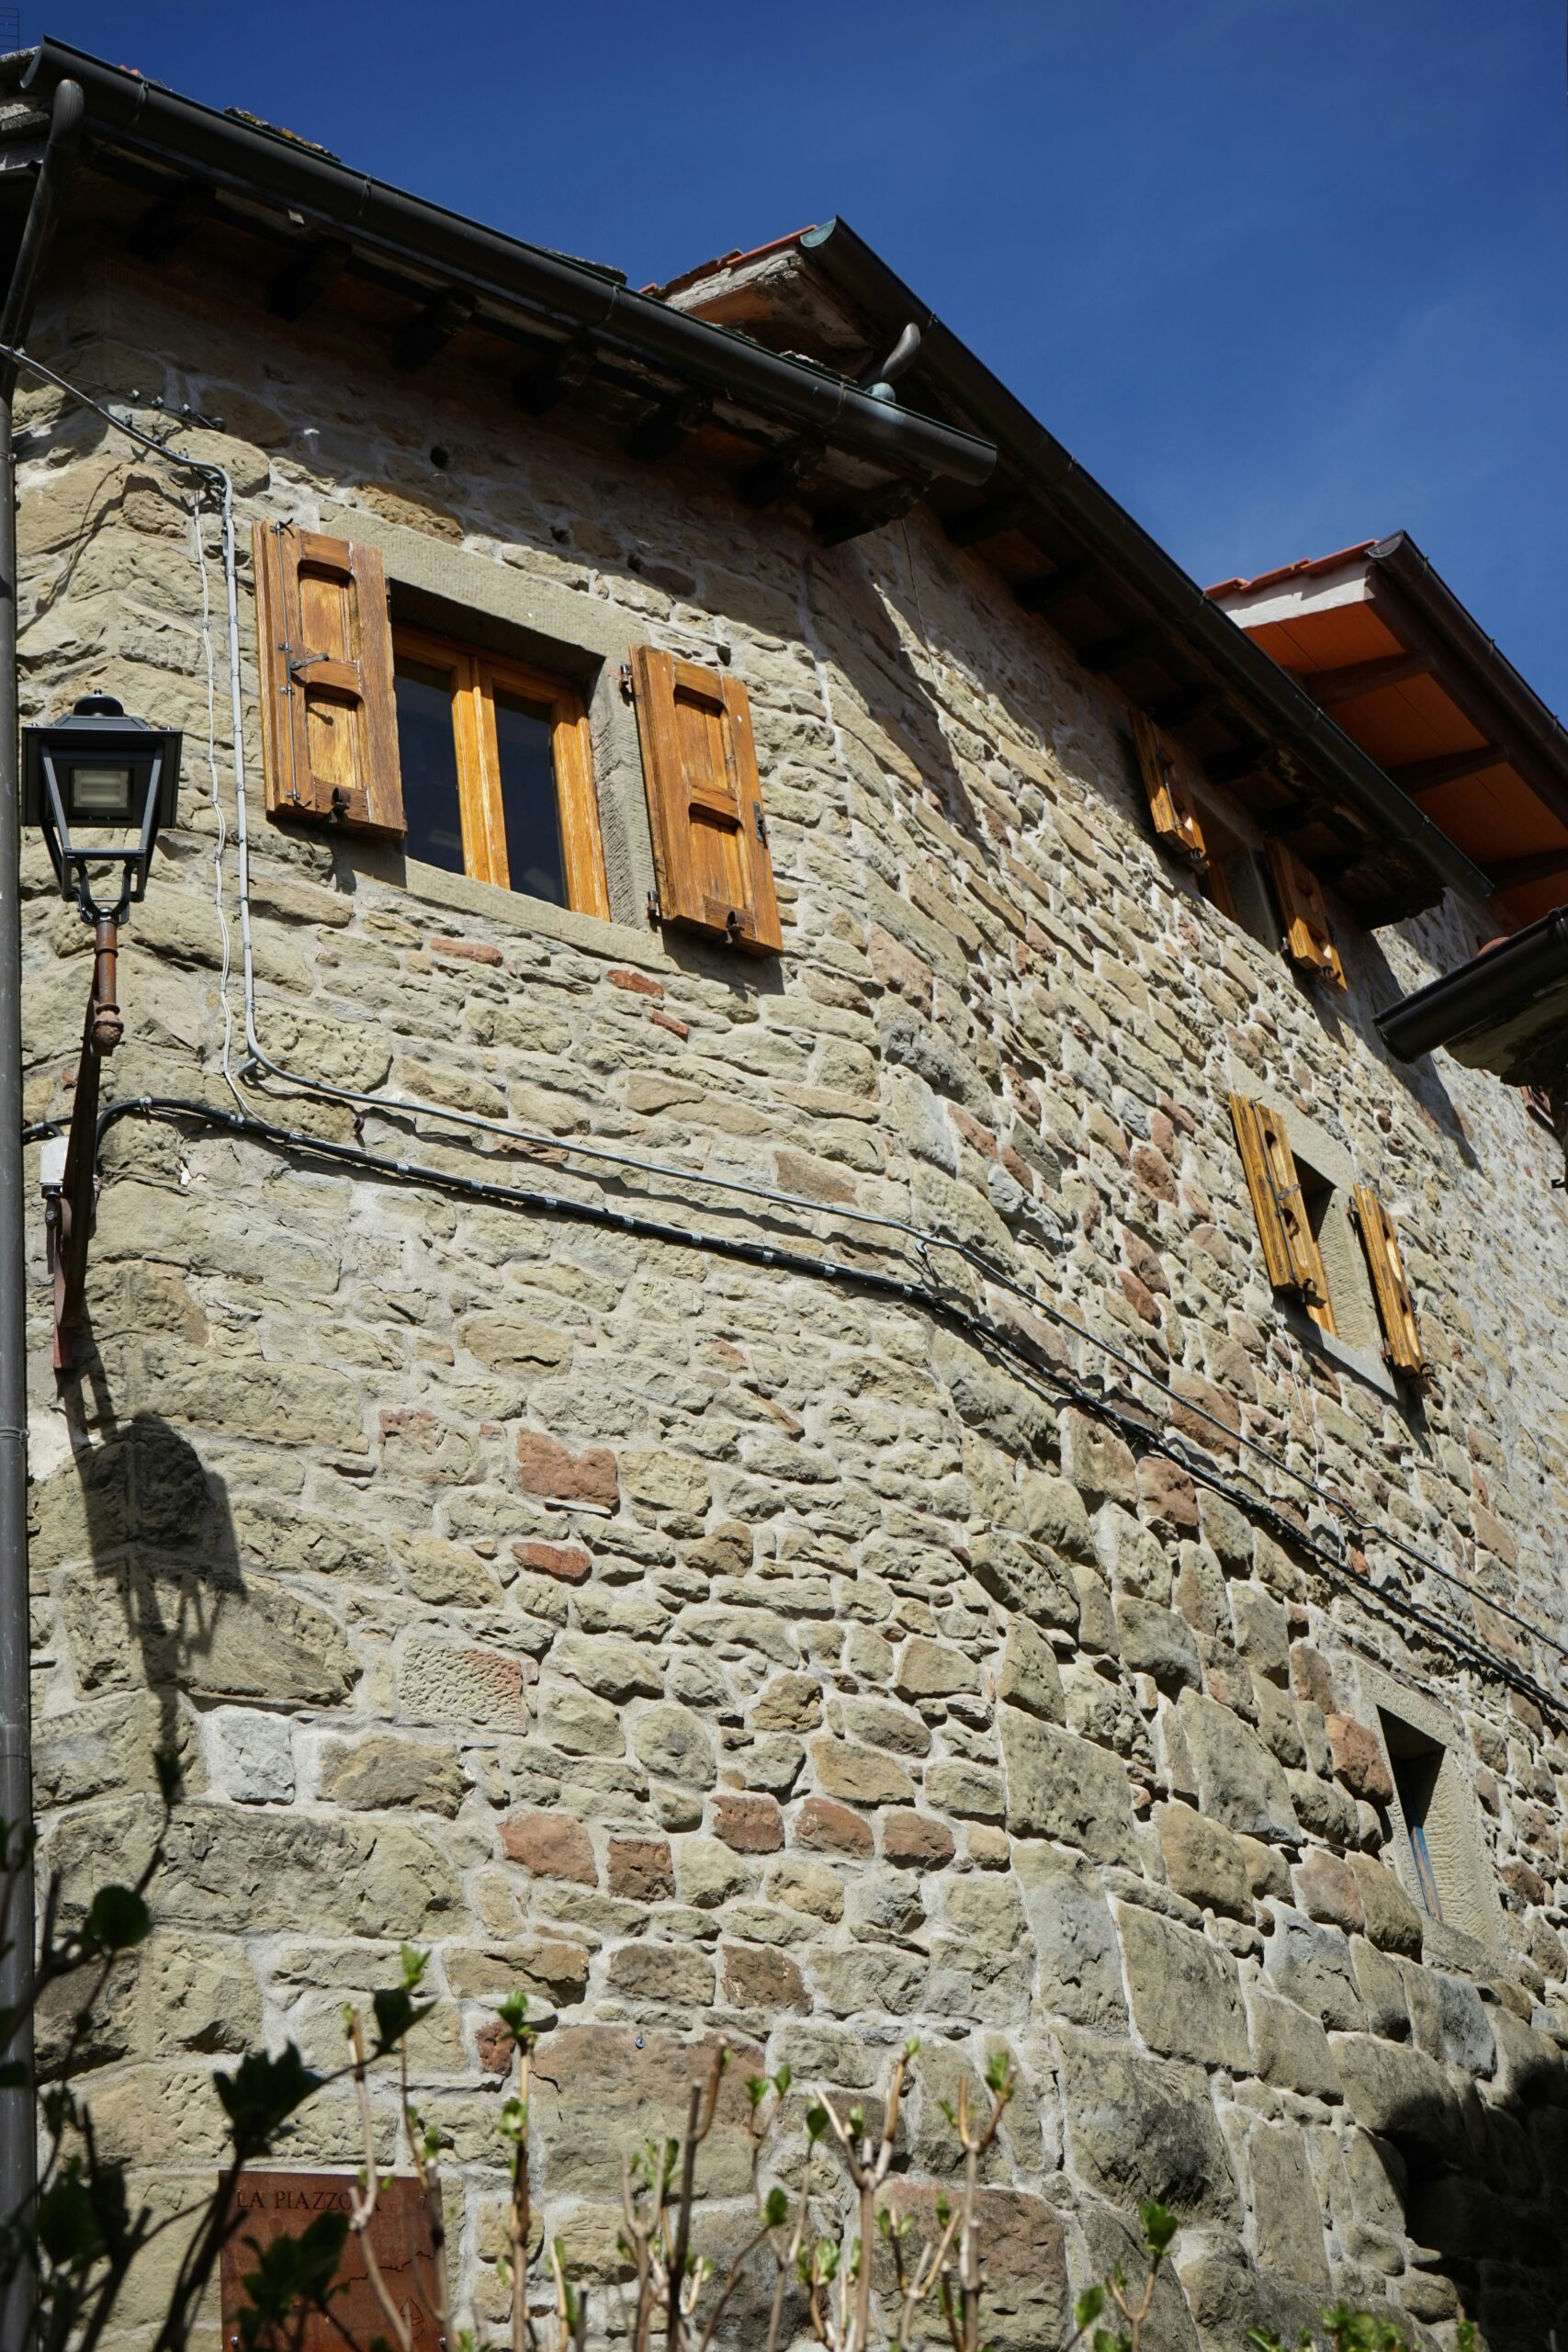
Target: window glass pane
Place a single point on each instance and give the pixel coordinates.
(524, 735)
(427, 750)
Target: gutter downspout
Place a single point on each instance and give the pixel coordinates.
(19, 2129)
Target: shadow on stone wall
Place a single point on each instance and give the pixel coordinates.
(160, 1603)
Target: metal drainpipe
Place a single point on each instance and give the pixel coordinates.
(19, 2129)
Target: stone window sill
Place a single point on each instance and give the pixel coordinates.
(510, 910)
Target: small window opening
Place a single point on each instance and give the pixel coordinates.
(1416, 1762)
(497, 775)
(1349, 1312)
(1234, 880)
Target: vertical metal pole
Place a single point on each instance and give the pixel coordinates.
(19, 2129)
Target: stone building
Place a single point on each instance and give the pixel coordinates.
(769, 1345)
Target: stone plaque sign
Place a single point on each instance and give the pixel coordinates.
(282, 2204)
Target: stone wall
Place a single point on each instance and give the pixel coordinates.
(727, 1651)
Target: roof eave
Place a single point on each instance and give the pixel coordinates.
(1049, 471)
(124, 109)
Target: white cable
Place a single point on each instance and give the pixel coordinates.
(219, 822)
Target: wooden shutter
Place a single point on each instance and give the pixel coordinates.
(1165, 782)
(1308, 939)
(710, 839)
(1290, 1246)
(328, 706)
(1401, 1339)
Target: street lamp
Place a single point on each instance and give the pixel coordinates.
(99, 772)
(99, 785)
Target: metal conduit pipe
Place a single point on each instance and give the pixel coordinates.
(18, 2134)
(132, 112)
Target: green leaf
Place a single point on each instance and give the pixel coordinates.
(775, 2211)
(756, 2090)
(999, 2072)
(262, 2092)
(1087, 2308)
(514, 2014)
(1159, 2227)
(117, 1920)
(396, 2013)
(783, 2080)
(816, 2123)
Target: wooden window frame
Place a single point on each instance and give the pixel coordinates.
(478, 677)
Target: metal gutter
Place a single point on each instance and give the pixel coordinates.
(1505, 1011)
(1050, 472)
(125, 109)
(18, 2131)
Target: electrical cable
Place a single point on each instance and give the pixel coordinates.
(1027, 1361)
(921, 1239)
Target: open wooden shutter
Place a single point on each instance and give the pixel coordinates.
(1401, 1339)
(710, 839)
(329, 708)
(1308, 939)
(1290, 1246)
(1165, 782)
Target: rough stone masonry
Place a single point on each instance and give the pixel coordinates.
(726, 1652)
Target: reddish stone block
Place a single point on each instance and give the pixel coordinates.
(1359, 1760)
(749, 1825)
(1168, 1494)
(668, 1021)
(915, 1841)
(472, 951)
(1527, 1884)
(1327, 1889)
(641, 1870)
(637, 983)
(567, 1561)
(552, 1844)
(1310, 1677)
(545, 1466)
(824, 1827)
(756, 1977)
(495, 2047)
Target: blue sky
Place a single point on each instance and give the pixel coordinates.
(1284, 274)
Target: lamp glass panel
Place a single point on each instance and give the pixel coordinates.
(99, 790)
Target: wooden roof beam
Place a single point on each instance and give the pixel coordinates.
(312, 272)
(776, 476)
(430, 329)
(1353, 679)
(987, 520)
(1537, 866)
(1448, 767)
(1187, 703)
(170, 218)
(564, 369)
(1044, 590)
(1128, 645)
(851, 519)
(667, 423)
